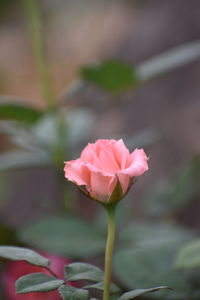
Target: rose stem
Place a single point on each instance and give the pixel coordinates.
(109, 248)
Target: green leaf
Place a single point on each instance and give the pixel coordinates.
(66, 291)
(147, 248)
(37, 282)
(83, 271)
(18, 112)
(111, 75)
(139, 292)
(68, 236)
(154, 235)
(115, 75)
(22, 159)
(189, 255)
(71, 293)
(18, 253)
(100, 286)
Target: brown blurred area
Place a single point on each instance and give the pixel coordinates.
(79, 32)
(75, 35)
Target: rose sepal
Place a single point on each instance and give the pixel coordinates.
(116, 196)
(117, 193)
(85, 192)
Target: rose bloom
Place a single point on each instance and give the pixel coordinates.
(102, 165)
(16, 269)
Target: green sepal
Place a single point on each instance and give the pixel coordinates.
(117, 193)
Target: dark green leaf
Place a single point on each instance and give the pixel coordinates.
(18, 112)
(71, 293)
(83, 271)
(67, 236)
(100, 286)
(7, 235)
(18, 253)
(139, 292)
(189, 255)
(37, 282)
(111, 75)
(114, 297)
(115, 75)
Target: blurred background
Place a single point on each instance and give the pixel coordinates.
(75, 71)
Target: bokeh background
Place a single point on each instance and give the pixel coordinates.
(158, 109)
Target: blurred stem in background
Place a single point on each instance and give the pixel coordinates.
(37, 36)
(35, 25)
(59, 156)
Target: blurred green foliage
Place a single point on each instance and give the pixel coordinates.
(4, 4)
(172, 197)
(147, 257)
(147, 254)
(140, 249)
(189, 255)
(18, 112)
(111, 75)
(69, 236)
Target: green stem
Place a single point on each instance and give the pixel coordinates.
(39, 52)
(109, 249)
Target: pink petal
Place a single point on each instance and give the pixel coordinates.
(101, 186)
(76, 172)
(107, 161)
(139, 163)
(121, 153)
(138, 154)
(88, 154)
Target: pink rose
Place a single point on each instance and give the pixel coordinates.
(102, 165)
(16, 269)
